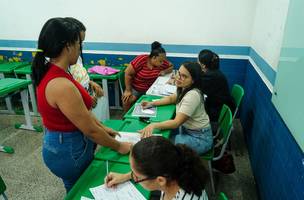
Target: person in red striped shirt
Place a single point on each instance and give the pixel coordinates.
(142, 72)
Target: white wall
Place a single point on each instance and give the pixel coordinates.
(268, 29)
(201, 22)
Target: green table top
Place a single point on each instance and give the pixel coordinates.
(163, 112)
(8, 85)
(94, 176)
(127, 125)
(27, 69)
(9, 67)
(108, 77)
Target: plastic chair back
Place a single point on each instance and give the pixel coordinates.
(222, 196)
(237, 94)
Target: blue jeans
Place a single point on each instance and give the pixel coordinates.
(67, 155)
(200, 141)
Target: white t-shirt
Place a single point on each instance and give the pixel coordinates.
(192, 105)
(182, 195)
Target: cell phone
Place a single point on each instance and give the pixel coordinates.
(145, 120)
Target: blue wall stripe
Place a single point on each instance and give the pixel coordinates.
(263, 65)
(171, 48)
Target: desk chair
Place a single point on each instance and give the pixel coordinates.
(237, 94)
(222, 196)
(224, 130)
(2, 189)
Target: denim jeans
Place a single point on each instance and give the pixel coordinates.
(67, 155)
(200, 141)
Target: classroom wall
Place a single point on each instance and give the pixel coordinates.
(136, 21)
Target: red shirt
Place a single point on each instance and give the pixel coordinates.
(144, 76)
(53, 118)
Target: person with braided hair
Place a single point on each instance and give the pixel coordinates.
(157, 164)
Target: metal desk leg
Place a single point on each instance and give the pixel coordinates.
(32, 95)
(8, 100)
(106, 95)
(28, 123)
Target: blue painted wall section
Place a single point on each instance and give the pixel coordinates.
(275, 156)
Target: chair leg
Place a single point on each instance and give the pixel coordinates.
(211, 177)
(3, 196)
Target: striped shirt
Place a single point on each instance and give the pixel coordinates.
(144, 76)
(182, 195)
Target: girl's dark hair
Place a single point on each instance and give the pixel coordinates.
(156, 49)
(209, 59)
(81, 28)
(195, 71)
(156, 156)
(56, 34)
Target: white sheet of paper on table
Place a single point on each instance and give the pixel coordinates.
(123, 191)
(132, 137)
(140, 112)
(85, 198)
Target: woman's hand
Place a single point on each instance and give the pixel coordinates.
(147, 131)
(96, 89)
(95, 99)
(111, 132)
(126, 95)
(124, 147)
(112, 179)
(146, 104)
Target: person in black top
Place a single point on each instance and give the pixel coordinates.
(214, 85)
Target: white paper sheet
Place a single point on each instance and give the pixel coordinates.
(124, 191)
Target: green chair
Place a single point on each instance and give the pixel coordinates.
(237, 93)
(2, 189)
(222, 196)
(224, 130)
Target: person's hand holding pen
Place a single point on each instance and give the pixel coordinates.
(146, 104)
(113, 179)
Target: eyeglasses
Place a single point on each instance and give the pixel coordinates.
(136, 180)
(181, 76)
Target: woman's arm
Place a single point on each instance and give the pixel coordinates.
(129, 74)
(179, 119)
(63, 95)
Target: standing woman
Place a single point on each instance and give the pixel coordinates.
(157, 164)
(142, 72)
(65, 105)
(191, 123)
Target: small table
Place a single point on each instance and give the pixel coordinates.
(127, 125)
(9, 86)
(27, 71)
(8, 68)
(104, 78)
(164, 113)
(94, 176)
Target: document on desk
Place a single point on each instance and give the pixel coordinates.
(123, 191)
(132, 137)
(139, 111)
(85, 198)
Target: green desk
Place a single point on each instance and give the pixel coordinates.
(163, 112)
(104, 79)
(9, 86)
(127, 125)
(27, 71)
(94, 176)
(8, 68)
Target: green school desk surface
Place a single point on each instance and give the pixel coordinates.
(9, 85)
(163, 112)
(94, 176)
(9, 67)
(127, 125)
(27, 69)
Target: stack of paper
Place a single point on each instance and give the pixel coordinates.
(139, 111)
(123, 191)
(131, 137)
